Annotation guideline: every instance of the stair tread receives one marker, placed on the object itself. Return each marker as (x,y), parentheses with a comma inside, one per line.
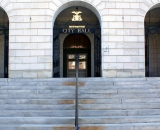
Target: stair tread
(73,117)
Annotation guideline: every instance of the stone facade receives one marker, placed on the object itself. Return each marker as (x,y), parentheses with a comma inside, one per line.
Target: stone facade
(31,33)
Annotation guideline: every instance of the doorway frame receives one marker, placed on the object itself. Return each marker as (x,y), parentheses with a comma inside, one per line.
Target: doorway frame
(150,29)
(62,37)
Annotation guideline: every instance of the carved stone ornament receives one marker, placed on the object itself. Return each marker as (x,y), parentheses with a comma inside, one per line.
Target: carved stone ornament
(76,17)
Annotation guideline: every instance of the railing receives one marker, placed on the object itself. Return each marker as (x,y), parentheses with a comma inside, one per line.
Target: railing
(76,99)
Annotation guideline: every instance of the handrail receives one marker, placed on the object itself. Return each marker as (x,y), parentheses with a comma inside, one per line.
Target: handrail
(76,99)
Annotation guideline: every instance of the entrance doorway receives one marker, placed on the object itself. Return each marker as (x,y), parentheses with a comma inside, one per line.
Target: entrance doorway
(82,65)
(80,46)
(152,42)
(76,35)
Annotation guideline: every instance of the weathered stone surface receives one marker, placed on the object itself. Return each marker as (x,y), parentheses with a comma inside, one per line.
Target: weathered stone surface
(123,74)
(109,73)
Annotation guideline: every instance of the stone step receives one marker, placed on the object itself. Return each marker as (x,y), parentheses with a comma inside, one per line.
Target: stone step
(134,112)
(133,126)
(38,96)
(137,83)
(32,83)
(119,101)
(37,113)
(81,84)
(71,82)
(128,106)
(119,96)
(81,96)
(86,87)
(140,100)
(80,79)
(118,91)
(119,119)
(82,113)
(37,107)
(36,91)
(82,120)
(71,85)
(73,79)
(82,91)
(37,120)
(37,101)
(81,101)
(45,87)
(130,86)
(38,127)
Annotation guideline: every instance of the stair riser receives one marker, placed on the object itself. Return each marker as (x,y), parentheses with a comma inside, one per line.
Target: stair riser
(38,102)
(85,91)
(72,87)
(81,107)
(36,121)
(37,96)
(37,107)
(81,96)
(81,83)
(92,120)
(118,106)
(60,101)
(71,113)
(121,120)
(72,101)
(117,127)
(63,113)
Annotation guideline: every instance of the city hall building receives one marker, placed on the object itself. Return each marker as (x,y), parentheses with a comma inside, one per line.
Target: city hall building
(110,38)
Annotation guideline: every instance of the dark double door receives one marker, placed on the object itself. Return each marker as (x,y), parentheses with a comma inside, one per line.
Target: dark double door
(84,62)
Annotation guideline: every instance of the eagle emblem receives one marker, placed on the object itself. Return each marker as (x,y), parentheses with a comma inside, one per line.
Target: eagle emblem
(76,17)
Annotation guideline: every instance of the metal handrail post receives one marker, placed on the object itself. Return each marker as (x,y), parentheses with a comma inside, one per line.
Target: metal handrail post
(76,100)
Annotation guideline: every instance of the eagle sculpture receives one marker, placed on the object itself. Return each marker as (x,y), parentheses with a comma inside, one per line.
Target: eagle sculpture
(76,17)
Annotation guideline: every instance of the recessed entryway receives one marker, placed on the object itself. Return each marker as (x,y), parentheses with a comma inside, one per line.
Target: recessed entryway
(77,45)
(76,31)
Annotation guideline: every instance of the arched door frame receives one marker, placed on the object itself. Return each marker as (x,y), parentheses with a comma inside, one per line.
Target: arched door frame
(97,46)
(63,37)
(78,3)
(150,29)
(96,11)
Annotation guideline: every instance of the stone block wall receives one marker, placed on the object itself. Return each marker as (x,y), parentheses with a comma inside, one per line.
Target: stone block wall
(31,24)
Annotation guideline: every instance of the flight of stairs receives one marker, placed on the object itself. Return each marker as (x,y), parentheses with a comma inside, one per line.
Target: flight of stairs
(104,104)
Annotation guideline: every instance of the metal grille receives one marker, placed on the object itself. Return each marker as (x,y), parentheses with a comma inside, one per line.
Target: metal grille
(97,53)
(56,53)
(5,32)
(150,31)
